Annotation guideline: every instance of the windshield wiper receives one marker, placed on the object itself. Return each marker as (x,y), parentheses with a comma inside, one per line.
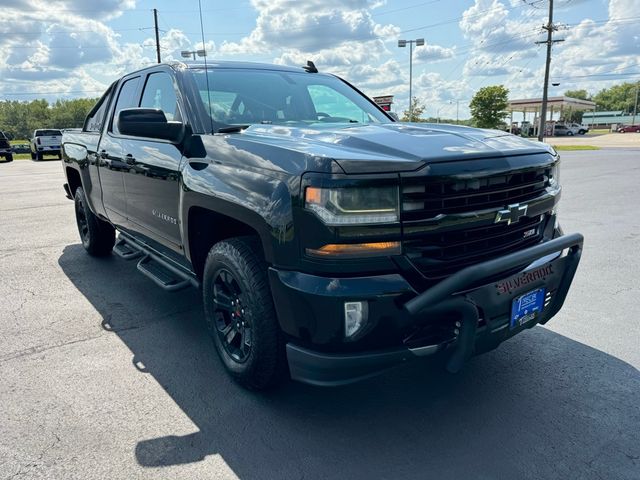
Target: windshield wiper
(232,129)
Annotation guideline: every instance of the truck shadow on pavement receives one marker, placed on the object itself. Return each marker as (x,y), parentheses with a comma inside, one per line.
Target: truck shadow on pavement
(541,406)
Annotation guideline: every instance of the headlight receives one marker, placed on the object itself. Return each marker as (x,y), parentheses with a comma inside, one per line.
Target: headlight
(354,206)
(554,175)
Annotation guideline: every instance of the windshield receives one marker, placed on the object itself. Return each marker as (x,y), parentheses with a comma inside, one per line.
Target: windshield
(47,133)
(246,97)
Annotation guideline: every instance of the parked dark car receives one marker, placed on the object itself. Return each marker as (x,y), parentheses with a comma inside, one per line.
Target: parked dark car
(629,129)
(329,242)
(20,148)
(5,148)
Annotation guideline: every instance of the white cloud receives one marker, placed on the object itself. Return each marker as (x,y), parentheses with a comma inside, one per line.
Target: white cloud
(432,53)
(312,26)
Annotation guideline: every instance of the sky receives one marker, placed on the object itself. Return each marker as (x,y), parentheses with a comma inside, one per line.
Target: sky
(75,48)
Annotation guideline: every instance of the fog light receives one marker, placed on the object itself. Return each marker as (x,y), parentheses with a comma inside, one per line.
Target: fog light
(355,317)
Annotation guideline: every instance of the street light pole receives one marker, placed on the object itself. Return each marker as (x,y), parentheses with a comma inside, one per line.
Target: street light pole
(403,43)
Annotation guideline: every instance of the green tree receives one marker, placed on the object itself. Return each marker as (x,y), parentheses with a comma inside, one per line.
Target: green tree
(489,106)
(580,94)
(20,119)
(71,113)
(618,97)
(415,113)
(571,115)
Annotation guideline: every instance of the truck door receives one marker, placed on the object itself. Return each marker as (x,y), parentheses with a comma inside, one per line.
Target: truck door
(112,160)
(152,181)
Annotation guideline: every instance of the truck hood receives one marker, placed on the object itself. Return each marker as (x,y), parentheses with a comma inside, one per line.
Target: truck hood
(393,147)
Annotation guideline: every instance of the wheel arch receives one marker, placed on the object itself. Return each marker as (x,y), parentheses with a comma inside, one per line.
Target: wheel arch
(206,224)
(73,179)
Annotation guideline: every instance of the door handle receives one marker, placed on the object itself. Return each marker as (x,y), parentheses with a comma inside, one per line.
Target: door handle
(129,160)
(103,154)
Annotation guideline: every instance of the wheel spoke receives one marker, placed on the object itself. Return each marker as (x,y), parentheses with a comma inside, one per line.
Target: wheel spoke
(244,349)
(221,299)
(229,337)
(225,331)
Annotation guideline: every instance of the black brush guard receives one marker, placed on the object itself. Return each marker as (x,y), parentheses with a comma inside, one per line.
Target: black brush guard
(459,293)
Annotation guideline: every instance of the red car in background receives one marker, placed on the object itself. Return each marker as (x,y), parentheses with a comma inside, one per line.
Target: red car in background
(629,128)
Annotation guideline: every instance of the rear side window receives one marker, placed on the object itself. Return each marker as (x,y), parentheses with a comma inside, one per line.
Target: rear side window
(159,93)
(127,98)
(95,119)
(48,133)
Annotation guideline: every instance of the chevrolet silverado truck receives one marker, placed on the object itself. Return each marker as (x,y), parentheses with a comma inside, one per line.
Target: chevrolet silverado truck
(329,241)
(45,142)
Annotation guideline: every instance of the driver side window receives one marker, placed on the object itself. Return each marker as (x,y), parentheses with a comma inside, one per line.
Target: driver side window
(330,103)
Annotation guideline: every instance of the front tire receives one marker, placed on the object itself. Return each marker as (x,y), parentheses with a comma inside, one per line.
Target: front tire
(33,156)
(98,237)
(240,315)
(9,158)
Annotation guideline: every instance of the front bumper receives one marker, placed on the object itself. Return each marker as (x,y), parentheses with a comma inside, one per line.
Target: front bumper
(470,311)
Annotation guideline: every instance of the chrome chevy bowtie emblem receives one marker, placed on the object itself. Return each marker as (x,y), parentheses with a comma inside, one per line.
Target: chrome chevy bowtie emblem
(511,214)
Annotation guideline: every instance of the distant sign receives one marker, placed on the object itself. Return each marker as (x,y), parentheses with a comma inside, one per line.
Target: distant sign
(384,100)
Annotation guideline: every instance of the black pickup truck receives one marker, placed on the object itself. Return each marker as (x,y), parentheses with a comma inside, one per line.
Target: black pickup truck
(5,148)
(329,241)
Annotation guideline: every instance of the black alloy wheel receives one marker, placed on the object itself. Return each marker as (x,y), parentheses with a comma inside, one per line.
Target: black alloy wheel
(240,315)
(98,237)
(233,326)
(83,222)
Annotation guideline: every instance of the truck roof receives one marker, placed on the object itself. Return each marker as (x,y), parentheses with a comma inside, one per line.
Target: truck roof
(224,64)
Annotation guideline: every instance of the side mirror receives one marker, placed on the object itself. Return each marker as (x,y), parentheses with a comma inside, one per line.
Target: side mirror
(149,123)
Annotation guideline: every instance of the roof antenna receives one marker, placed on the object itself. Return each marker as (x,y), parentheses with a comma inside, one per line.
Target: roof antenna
(206,70)
(310,67)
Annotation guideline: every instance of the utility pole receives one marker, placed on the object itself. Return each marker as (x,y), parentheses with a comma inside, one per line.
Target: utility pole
(155,21)
(550,28)
(635,105)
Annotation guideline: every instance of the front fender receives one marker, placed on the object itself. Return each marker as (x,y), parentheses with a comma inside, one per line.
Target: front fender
(260,199)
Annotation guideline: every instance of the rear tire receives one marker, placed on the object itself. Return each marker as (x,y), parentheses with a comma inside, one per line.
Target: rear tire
(9,158)
(33,156)
(240,315)
(39,156)
(98,237)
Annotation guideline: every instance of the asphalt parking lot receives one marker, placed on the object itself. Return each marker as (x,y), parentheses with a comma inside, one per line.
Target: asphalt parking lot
(103,375)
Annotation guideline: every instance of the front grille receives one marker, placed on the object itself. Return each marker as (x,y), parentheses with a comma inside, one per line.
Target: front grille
(438,254)
(424,198)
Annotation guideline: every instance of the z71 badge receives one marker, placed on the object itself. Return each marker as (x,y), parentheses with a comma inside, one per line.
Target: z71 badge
(525,278)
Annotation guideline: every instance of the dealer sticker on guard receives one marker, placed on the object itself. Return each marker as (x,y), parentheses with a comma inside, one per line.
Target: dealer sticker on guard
(526,307)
